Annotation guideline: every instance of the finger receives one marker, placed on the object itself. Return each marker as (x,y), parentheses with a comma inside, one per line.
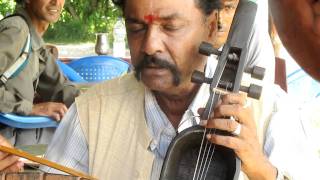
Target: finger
(8,161)
(61,112)
(65,109)
(231,142)
(223,124)
(55,116)
(4,142)
(241,114)
(16,167)
(235,98)
(228,110)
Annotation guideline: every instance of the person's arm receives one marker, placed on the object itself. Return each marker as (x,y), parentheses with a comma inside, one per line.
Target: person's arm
(299,31)
(56,92)
(9,163)
(13,35)
(68,146)
(53,86)
(288,144)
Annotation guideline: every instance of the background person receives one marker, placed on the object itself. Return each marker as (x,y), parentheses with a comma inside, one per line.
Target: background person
(41,74)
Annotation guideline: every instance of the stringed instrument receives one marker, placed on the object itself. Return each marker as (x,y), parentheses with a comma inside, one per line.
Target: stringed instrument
(190,155)
(39,175)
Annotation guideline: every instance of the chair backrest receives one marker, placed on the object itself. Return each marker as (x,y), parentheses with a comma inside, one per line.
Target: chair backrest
(70,73)
(99,68)
(27,122)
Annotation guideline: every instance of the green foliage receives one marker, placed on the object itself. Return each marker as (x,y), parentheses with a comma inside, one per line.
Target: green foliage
(79,22)
(82,19)
(68,32)
(7,7)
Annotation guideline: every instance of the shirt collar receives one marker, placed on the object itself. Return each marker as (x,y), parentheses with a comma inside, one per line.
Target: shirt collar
(36,41)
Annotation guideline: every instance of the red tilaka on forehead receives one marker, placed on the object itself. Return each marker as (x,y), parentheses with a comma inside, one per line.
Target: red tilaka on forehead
(151,18)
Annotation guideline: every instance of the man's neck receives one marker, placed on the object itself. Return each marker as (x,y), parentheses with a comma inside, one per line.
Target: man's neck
(40,27)
(174,106)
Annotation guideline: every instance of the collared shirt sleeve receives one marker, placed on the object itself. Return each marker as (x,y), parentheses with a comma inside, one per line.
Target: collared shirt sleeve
(13,35)
(53,86)
(287,144)
(68,146)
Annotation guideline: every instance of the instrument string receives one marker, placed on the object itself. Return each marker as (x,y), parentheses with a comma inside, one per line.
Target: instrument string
(214,145)
(201,155)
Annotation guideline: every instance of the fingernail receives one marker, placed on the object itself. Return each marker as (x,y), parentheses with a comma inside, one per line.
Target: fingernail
(203,123)
(209,136)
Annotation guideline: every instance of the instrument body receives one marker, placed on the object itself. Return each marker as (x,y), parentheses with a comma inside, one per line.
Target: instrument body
(184,150)
(182,157)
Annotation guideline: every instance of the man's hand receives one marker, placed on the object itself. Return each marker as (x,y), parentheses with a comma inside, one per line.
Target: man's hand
(51,109)
(9,163)
(245,142)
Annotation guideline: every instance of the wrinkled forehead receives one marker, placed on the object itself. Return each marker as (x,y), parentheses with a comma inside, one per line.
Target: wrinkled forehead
(153,9)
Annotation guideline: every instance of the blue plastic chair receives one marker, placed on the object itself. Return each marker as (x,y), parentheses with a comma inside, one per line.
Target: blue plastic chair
(99,68)
(32,122)
(70,73)
(27,122)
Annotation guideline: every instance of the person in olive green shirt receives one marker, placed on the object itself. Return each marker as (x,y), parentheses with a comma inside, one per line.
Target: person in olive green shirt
(40,76)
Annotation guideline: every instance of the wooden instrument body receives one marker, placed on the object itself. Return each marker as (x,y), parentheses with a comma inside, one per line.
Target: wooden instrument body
(181,163)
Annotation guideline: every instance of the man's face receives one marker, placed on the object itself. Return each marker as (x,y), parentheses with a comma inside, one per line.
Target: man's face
(225,17)
(163,38)
(45,10)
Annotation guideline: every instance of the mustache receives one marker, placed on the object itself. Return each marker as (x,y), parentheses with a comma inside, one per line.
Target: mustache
(161,63)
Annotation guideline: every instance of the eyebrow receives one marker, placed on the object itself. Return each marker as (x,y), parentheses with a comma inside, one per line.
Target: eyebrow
(133,20)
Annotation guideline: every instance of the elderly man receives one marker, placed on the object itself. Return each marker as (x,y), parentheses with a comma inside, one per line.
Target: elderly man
(121,129)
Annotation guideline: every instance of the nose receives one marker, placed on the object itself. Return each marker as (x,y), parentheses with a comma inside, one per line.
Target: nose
(153,42)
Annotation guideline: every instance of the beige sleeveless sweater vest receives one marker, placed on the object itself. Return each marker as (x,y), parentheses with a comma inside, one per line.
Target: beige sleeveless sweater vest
(112,116)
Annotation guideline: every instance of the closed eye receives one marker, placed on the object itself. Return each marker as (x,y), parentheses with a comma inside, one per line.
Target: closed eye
(135,28)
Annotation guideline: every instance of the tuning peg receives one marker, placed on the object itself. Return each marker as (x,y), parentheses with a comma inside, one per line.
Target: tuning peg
(258,72)
(253,91)
(199,78)
(207,49)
